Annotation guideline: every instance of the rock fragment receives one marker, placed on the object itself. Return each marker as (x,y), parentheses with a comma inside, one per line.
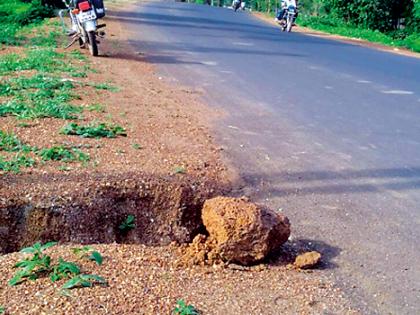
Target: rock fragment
(243,232)
(307,260)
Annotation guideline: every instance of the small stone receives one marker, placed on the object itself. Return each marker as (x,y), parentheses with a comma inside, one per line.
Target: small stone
(307,260)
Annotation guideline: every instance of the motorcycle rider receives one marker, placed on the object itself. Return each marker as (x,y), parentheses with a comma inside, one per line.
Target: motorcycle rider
(284,5)
(234,2)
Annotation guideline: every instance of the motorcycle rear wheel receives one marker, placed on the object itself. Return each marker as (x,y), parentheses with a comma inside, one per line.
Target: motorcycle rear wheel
(289,25)
(93,45)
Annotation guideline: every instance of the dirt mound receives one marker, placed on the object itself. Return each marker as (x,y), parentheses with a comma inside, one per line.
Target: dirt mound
(239,232)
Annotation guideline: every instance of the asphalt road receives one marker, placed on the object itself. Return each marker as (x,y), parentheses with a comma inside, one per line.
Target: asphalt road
(327,131)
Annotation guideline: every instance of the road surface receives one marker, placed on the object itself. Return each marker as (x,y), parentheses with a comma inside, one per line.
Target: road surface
(329,132)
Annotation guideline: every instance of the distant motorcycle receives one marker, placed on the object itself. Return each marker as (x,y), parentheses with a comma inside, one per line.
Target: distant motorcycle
(236,4)
(84,15)
(288,19)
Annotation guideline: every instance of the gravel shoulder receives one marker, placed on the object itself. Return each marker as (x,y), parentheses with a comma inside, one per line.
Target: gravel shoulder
(145,280)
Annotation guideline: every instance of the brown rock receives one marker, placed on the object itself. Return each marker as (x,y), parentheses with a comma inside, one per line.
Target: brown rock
(307,260)
(243,232)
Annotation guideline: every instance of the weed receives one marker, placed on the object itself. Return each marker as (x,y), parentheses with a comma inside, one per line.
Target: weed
(105,86)
(15,163)
(83,281)
(64,270)
(182,308)
(179,170)
(94,131)
(99,108)
(61,153)
(32,268)
(128,224)
(137,146)
(86,252)
(41,264)
(10,143)
(2,309)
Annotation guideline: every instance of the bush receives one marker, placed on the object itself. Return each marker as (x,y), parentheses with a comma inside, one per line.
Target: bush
(34,14)
(413,42)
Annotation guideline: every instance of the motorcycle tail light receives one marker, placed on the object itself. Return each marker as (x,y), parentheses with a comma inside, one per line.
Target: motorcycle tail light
(84,6)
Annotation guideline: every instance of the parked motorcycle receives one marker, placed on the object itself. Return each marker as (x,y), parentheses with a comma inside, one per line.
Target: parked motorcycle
(84,15)
(288,19)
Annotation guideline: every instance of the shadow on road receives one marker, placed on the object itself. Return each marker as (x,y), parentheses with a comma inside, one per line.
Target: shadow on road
(286,255)
(336,182)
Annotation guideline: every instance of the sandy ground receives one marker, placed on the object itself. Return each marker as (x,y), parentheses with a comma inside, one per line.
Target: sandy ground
(145,280)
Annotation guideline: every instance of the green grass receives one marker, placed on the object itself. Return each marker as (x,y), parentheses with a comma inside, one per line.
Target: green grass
(17,16)
(15,163)
(334,26)
(100,130)
(42,59)
(9,142)
(99,108)
(38,96)
(105,86)
(61,153)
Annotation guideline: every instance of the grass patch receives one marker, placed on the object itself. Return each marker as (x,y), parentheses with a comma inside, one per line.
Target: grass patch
(9,142)
(61,153)
(335,26)
(105,86)
(101,130)
(15,163)
(99,108)
(39,59)
(38,96)
(15,14)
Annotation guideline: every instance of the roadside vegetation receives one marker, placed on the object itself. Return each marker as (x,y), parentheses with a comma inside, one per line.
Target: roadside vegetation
(40,80)
(40,265)
(391,22)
